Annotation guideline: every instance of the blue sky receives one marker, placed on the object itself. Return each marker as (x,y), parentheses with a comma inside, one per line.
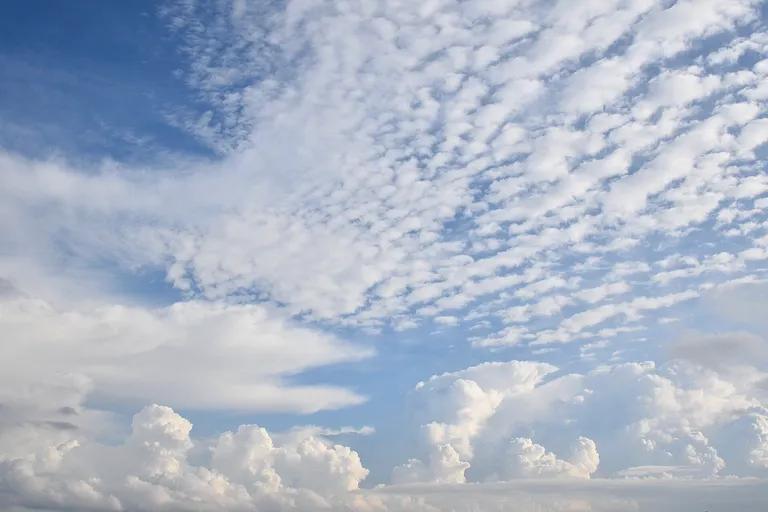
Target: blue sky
(357,243)
(92,80)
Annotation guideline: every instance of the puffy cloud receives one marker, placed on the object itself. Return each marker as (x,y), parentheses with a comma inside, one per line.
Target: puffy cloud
(151,470)
(490,422)
(455,407)
(526,459)
(628,419)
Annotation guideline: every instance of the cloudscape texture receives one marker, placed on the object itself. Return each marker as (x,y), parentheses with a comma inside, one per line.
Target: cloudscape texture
(384,256)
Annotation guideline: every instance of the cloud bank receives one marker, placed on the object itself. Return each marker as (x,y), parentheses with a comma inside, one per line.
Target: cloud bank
(643,435)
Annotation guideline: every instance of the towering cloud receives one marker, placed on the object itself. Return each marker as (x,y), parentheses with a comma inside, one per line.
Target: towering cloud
(152,470)
(525,420)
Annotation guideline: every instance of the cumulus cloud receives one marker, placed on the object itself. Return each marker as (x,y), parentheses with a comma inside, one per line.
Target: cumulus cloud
(156,468)
(526,459)
(152,470)
(497,421)
(518,420)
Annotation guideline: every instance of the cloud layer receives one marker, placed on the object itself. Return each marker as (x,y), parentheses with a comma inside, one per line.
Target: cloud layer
(537,173)
(190,354)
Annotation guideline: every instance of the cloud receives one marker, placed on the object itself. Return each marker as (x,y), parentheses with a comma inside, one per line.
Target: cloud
(444,187)
(489,423)
(151,470)
(596,495)
(190,354)
(497,421)
(723,352)
(526,459)
(159,466)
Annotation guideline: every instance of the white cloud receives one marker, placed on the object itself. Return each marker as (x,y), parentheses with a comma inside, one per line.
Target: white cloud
(159,466)
(468,182)
(152,470)
(189,354)
(633,421)
(526,459)
(598,293)
(682,419)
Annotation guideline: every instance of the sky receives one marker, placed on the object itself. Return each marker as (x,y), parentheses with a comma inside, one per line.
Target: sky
(384,256)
